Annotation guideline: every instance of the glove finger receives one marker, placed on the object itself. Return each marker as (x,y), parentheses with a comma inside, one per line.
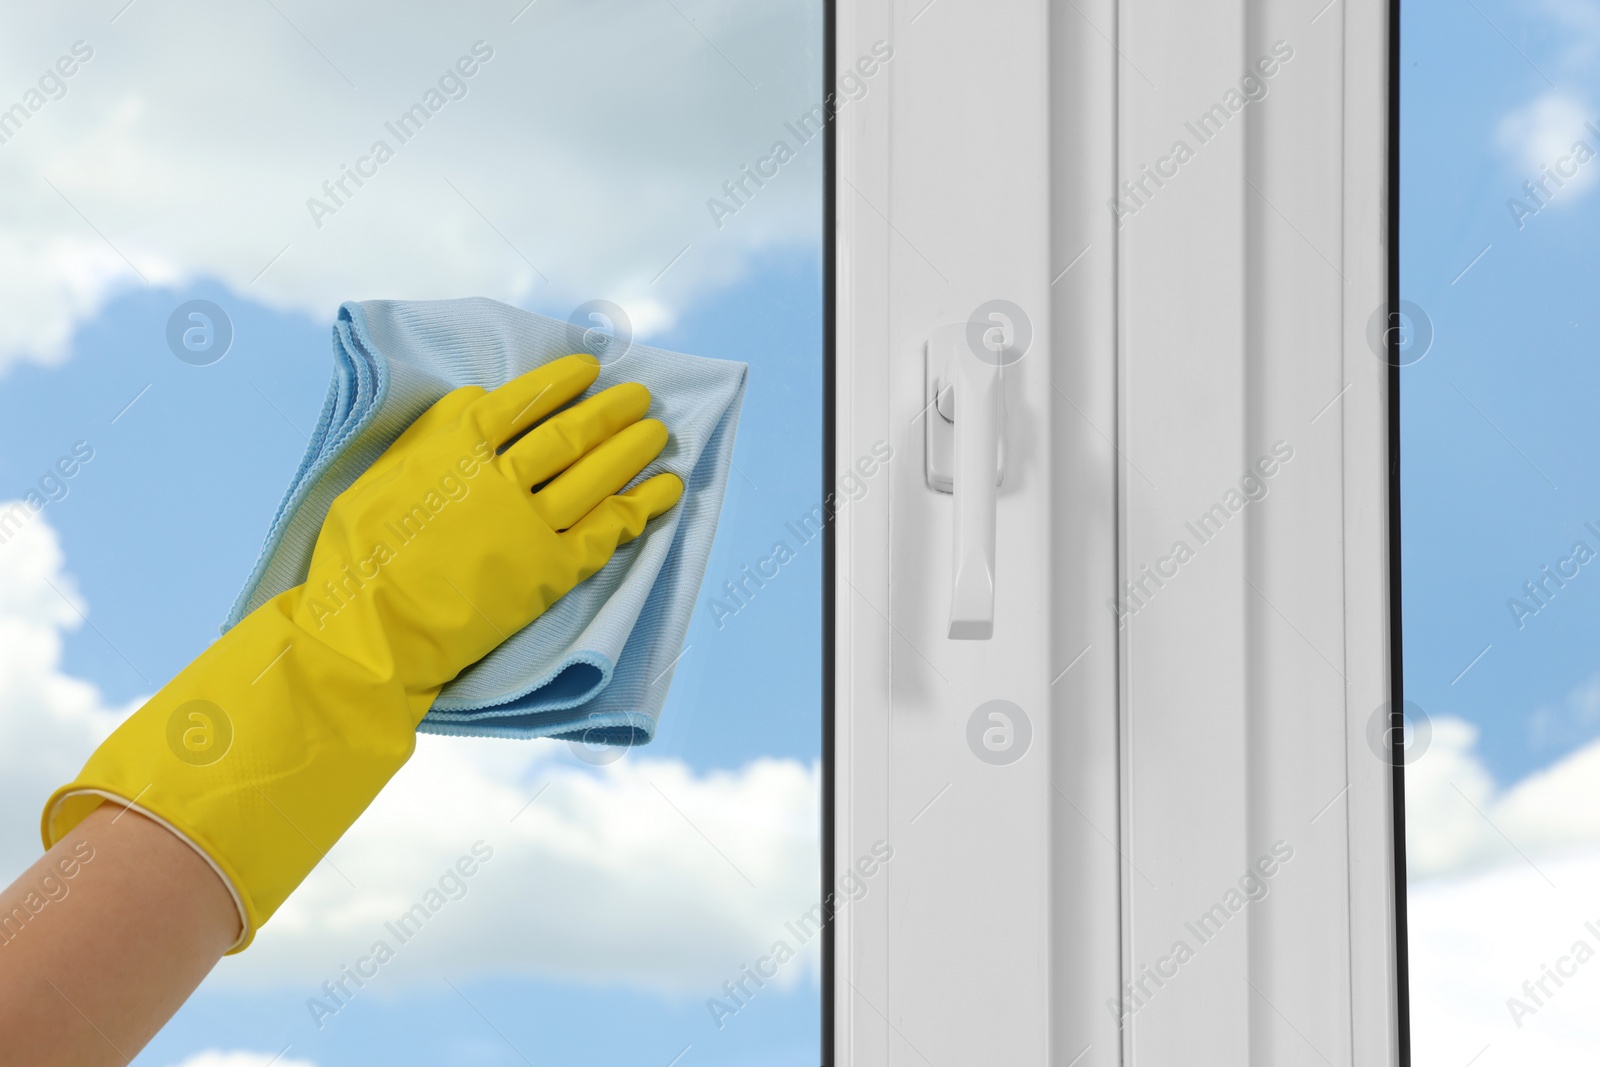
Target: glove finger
(558,443)
(616,520)
(606,469)
(505,412)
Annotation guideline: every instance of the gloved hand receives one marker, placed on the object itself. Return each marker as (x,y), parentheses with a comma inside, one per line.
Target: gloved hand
(265,749)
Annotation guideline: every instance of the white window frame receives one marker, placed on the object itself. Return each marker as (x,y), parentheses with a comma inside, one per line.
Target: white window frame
(1173,748)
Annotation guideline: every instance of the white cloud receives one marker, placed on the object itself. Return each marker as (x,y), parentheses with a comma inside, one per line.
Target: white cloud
(218,1058)
(1575,720)
(1502,882)
(1485,915)
(49,720)
(584,151)
(1542,135)
(642,872)
(1459,820)
(1474,942)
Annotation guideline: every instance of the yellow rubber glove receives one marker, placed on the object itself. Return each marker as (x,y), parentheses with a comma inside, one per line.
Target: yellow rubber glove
(265,749)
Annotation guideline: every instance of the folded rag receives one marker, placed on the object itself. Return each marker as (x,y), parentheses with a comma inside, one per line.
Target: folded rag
(596,666)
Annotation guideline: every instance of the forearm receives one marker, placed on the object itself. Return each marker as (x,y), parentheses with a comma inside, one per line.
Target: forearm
(102,940)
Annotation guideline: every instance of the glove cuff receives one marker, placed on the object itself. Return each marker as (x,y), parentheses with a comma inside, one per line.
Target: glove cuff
(71,804)
(259,754)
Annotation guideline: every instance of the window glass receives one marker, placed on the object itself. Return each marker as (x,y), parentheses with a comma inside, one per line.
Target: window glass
(1500,191)
(274,160)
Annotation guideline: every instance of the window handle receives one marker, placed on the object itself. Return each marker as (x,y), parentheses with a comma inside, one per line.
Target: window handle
(964,458)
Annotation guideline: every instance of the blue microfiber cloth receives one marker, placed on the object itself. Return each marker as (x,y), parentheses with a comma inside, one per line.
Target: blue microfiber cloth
(596,666)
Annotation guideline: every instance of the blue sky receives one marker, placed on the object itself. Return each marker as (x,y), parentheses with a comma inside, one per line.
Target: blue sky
(577,165)
(1498,482)
(162,525)
(1498,418)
